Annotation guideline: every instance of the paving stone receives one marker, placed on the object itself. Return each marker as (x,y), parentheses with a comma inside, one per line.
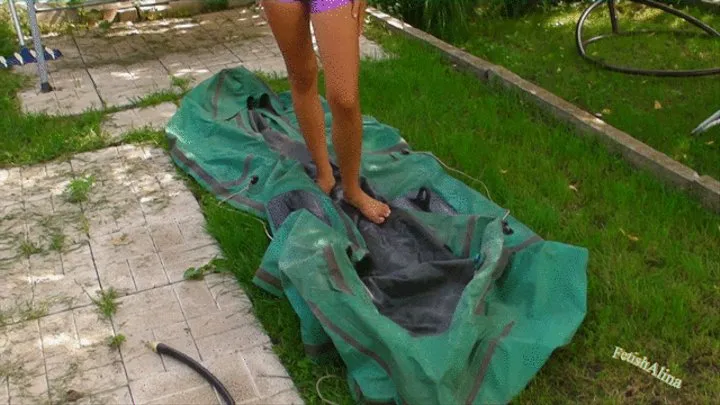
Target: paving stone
(166,236)
(269,375)
(157,307)
(193,232)
(218,322)
(45,266)
(289,397)
(227,293)
(232,341)
(99,379)
(182,206)
(176,261)
(147,271)
(101,223)
(120,85)
(160,385)
(73,92)
(20,345)
(195,299)
(123,243)
(203,395)
(119,396)
(235,375)
(65,293)
(27,390)
(4,394)
(145,229)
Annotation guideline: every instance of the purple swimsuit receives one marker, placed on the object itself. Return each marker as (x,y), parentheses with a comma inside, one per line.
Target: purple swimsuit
(319,6)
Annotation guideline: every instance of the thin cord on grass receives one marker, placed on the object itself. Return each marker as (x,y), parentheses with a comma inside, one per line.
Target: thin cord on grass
(487,190)
(234,194)
(267,233)
(317,388)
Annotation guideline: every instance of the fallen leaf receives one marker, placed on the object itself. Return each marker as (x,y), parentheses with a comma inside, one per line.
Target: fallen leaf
(606,111)
(573,188)
(658,106)
(709,142)
(73,396)
(120,240)
(503,171)
(629,236)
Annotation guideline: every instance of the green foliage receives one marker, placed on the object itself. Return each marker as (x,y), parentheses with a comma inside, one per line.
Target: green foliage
(450,19)
(215,5)
(8,43)
(78,189)
(116,341)
(214,266)
(107,302)
(447,19)
(516,8)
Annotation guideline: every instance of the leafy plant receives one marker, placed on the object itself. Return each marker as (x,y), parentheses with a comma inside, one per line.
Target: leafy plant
(215,5)
(214,266)
(447,19)
(106,302)
(28,248)
(116,341)
(57,241)
(78,189)
(8,44)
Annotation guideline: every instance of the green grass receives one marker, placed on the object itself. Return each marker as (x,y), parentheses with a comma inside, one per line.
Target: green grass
(116,341)
(661,112)
(37,138)
(106,302)
(28,248)
(654,262)
(57,241)
(79,189)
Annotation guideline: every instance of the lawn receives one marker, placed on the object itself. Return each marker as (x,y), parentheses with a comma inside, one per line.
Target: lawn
(661,112)
(654,263)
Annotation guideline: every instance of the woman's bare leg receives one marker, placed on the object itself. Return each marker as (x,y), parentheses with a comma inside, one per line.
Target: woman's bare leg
(337,33)
(290,24)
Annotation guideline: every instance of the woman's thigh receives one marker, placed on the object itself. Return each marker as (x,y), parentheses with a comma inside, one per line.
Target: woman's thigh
(289,21)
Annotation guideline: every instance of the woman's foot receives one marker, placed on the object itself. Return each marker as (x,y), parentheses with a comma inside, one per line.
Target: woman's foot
(371,208)
(326,183)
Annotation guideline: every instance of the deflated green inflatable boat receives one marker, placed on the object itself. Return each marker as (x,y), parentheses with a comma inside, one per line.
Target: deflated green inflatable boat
(451,301)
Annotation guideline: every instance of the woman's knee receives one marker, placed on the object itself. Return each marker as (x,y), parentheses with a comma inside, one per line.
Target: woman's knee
(343,100)
(304,77)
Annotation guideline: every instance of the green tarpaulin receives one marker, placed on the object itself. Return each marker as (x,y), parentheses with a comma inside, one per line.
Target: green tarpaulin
(451,301)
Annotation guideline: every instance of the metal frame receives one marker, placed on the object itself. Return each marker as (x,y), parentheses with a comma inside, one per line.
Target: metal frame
(37,41)
(616,31)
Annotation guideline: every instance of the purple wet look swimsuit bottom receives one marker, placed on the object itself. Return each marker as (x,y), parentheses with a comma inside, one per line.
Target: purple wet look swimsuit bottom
(320,6)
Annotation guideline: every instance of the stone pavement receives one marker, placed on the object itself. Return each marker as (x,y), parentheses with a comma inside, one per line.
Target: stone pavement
(118,124)
(120,220)
(130,61)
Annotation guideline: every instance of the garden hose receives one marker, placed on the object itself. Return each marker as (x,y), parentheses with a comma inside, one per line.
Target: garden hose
(615,31)
(162,348)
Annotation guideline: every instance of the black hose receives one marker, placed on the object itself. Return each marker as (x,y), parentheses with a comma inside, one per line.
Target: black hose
(647,72)
(162,348)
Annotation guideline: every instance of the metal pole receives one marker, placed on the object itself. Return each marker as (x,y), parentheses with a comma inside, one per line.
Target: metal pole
(613,16)
(39,49)
(16,23)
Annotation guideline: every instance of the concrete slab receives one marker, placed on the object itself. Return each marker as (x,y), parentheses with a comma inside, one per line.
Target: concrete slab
(56,343)
(119,124)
